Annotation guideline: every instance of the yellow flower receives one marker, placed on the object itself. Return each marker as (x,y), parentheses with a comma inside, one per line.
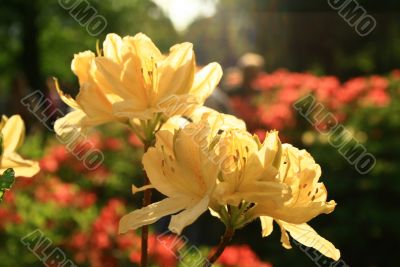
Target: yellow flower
(180,168)
(218,122)
(12,133)
(271,181)
(149,82)
(249,169)
(133,80)
(299,171)
(93,104)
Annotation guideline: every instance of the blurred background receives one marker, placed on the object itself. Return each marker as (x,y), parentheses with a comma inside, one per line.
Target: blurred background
(274,52)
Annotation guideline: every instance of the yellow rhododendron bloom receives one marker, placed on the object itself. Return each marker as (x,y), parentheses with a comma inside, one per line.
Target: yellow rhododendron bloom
(299,171)
(12,131)
(180,168)
(249,169)
(273,182)
(133,80)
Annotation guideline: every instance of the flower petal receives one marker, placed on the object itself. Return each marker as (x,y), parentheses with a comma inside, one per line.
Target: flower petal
(151,213)
(127,109)
(307,236)
(69,124)
(206,80)
(284,237)
(145,54)
(22,167)
(94,102)
(270,153)
(13,133)
(266,225)
(81,64)
(67,99)
(177,105)
(141,46)
(269,194)
(176,72)
(153,164)
(112,47)
(188,216)
(116,85)
(296,215)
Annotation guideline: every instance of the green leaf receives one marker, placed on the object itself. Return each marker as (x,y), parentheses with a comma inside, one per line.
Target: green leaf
(6,181)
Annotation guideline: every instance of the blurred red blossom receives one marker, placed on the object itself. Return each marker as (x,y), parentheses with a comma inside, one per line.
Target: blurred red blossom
(272,108)
(241,256)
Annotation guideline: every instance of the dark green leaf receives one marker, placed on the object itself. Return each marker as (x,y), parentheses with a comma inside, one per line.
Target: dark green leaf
(6,181)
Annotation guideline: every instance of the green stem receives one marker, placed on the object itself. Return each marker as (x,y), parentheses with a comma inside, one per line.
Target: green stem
(225,239)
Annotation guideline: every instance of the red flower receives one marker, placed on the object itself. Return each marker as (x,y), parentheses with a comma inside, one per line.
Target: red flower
(49,164)
(113,144)
(241,256)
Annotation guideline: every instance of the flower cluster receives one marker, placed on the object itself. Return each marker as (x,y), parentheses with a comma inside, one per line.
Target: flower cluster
(130,81)
(278,91)
(212,162)
(198,158)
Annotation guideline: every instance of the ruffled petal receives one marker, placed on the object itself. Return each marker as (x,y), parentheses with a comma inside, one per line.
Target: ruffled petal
(22,167)
(284,237)
(81,64)
(112,47)
(296,215)
(154,161)
(307,236)
(117,85)
(94,102)
(267,225)
(176,72)
(172,105)
(188,216)
(141,46)
(70,124)
(151,213)
(13,133)
(128,109)
(206,80)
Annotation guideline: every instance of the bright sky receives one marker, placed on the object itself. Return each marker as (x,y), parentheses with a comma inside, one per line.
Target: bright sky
(184,12)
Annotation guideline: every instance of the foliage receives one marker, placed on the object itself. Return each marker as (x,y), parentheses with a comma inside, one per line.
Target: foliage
(6,181)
